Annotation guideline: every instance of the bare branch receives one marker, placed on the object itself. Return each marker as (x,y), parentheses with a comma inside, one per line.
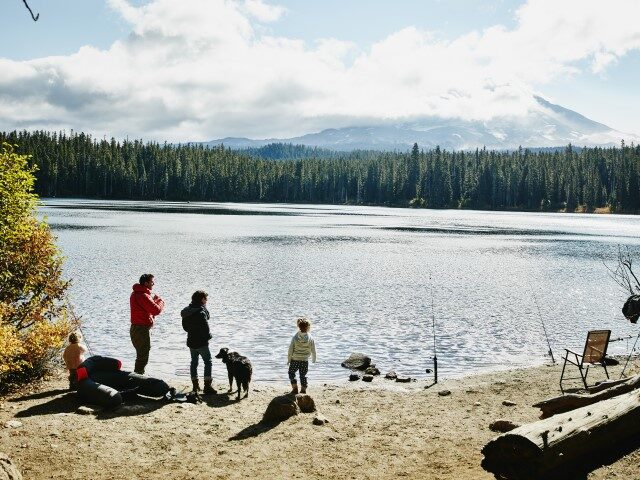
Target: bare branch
(623,273)
(35,19)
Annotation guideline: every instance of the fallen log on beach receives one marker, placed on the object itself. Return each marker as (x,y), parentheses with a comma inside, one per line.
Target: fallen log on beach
(564,442)
(566,403)
(607,384)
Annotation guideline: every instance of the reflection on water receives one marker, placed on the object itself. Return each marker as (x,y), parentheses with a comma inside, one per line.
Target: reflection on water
(364,276)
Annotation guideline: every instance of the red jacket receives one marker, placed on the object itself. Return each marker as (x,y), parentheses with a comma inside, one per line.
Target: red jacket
(144,306)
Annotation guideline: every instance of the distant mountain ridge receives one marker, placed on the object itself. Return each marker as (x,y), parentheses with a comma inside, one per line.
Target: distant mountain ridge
(548,125)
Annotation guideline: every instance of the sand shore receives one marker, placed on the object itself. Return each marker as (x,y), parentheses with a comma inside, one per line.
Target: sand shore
(378,430)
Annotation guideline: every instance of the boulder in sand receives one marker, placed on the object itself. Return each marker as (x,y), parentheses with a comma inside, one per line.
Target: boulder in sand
(391,375)
(372,371)
(281,408)
(305,403)
(367,378)
(8,470)
(357,361)
(354,377)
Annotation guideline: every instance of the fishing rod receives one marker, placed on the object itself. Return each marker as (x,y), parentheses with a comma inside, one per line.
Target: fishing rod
(630,353)
(433,327)
(86,342)
(544,328)
(621,338)
(77,321)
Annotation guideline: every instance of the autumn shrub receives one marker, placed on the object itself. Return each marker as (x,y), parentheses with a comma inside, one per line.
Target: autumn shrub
(34,317)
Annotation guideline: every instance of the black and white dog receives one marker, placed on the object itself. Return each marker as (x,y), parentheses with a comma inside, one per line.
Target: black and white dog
(238,367)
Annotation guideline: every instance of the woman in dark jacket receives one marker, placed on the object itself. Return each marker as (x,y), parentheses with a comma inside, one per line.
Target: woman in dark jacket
(195,321)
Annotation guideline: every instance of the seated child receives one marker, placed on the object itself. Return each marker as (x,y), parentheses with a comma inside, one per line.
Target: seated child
(301,348)
(73,356)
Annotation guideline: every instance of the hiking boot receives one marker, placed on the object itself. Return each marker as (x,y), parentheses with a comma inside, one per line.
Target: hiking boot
(208,389)
(303,389)
(196,384)
(294,389)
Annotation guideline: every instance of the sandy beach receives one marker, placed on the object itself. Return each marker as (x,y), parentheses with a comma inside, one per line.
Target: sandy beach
(378,430)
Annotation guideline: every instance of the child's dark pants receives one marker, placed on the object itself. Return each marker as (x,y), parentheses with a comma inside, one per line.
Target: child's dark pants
(296,365)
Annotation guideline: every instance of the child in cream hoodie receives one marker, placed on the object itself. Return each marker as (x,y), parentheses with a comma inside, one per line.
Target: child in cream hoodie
(301,348)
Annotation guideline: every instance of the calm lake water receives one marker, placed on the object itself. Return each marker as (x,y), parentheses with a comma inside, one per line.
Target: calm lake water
(371,279)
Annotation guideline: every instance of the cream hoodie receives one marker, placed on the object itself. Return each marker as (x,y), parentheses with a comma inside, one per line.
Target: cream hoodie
(302,347)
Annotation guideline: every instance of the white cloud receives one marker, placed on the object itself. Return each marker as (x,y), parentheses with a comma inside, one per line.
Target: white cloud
(199,69)
(263,12)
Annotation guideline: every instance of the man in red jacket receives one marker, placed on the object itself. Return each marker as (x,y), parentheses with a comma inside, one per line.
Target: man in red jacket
(144,307)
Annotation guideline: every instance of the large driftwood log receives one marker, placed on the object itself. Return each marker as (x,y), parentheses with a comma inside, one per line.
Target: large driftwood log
(572,401)
(565,441)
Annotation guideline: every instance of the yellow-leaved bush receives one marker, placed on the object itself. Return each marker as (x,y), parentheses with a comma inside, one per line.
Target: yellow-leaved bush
(34,316)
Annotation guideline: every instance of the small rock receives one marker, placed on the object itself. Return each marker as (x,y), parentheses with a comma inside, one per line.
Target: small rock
(391,375)
(477,404)
(367,378)
(428,370)
(502,426)
(444,393)
(319,420)
(354,377)
(509,403)
(332,439)
(82,410)
(54,433)
(372,371)
(13,424)
(337,401)
(403,379)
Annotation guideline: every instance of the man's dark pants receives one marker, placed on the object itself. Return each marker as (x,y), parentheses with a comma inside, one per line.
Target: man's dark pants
(142,343)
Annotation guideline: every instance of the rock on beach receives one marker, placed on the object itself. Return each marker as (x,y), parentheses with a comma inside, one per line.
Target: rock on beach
(357,361)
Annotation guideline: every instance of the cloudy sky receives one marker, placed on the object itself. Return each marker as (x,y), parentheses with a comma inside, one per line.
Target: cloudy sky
(190,70)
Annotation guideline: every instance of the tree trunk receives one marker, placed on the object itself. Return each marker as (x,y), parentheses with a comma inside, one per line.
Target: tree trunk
(565,442)
(569,402)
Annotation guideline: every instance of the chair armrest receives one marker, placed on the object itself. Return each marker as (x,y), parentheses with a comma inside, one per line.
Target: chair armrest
(571,351)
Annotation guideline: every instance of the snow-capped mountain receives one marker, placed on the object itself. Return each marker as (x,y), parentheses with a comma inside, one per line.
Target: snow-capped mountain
(547,125)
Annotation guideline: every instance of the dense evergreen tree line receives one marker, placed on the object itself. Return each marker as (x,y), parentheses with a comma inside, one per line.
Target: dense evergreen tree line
(76,164)
(288,151)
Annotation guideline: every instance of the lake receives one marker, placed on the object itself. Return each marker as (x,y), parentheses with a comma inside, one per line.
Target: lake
(371,280)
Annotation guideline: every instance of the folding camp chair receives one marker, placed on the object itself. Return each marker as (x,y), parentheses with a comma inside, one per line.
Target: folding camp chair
(595,350)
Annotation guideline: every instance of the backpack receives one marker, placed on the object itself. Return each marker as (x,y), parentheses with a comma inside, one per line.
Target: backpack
(631,308)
